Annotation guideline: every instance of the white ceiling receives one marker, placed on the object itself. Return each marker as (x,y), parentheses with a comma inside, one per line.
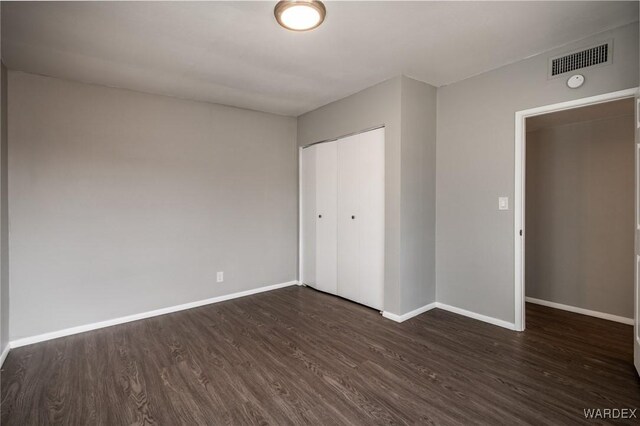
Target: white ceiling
(234,53)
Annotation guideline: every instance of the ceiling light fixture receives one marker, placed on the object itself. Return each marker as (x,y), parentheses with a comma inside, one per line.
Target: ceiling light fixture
(300,15)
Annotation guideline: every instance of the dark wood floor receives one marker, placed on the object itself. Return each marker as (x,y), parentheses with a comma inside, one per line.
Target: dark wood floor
(296,356)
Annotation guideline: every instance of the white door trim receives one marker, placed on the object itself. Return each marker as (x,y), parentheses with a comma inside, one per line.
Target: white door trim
(300,232)
(519,199)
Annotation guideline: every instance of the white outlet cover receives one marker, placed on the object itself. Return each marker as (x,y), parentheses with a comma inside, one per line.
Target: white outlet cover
(220,277)
(503,203)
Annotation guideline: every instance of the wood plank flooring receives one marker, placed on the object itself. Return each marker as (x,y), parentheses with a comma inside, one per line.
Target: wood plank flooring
(297,356)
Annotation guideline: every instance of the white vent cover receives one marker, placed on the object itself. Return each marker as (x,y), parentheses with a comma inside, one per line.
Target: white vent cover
(600,54)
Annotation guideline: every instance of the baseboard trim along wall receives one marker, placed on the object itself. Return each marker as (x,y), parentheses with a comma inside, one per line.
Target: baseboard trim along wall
(445,307)
(135,317)
(582,311)
(480,317)
(4,354)
(389,315)
(408,315)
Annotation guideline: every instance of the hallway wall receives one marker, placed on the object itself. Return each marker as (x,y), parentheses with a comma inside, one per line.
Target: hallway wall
(579,214)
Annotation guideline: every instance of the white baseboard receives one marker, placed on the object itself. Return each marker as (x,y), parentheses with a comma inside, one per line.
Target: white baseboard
(108,323)
(459,311)
(4,354)
(404,317)
(582,311)
(480,317)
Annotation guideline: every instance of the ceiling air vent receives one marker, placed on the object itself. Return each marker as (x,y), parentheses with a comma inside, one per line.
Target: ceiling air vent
(592,56)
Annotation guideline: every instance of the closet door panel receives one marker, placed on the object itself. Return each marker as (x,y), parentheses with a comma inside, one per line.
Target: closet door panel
(326,216)
(348,217)
(370,222)
(308,205)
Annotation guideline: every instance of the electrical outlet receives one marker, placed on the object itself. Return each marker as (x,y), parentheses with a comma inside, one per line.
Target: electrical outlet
(220,277)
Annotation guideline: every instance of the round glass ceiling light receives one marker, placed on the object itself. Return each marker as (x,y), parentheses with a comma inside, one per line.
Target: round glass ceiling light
(300,15)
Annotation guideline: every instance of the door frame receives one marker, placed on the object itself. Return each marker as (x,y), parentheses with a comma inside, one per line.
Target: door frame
(520,190)
(300,217)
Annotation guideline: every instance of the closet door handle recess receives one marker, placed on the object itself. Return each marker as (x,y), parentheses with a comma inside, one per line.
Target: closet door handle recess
(319,216)
(353,217)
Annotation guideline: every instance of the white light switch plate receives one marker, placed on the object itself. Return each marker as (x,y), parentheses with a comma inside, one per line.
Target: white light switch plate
(503,203)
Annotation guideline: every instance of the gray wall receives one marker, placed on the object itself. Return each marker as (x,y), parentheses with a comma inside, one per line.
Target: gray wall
(579,213)
(409,191)
(475,165)
(418,207)
(123,202)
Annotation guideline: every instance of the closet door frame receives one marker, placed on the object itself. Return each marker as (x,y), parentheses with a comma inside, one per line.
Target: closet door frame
(301,212)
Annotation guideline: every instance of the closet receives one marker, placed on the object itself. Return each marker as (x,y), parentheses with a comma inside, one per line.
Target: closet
(342,217)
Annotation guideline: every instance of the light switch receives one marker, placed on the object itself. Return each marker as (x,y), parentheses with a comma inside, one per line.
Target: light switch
(503,203)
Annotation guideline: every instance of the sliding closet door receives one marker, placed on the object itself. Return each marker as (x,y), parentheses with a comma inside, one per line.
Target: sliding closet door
(326,211)
(308,216)
(371,219)
(342,199)
(349,216)
(361,218)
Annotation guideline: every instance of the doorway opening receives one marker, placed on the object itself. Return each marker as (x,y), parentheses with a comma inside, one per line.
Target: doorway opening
(574,208)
